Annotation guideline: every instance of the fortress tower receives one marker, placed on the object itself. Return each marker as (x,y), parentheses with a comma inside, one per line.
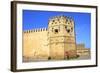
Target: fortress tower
(61,37)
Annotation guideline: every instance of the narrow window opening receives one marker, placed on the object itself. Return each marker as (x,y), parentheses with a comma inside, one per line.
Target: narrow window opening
(56,30)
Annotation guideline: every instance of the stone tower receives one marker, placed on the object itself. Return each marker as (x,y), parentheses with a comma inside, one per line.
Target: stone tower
(61,37)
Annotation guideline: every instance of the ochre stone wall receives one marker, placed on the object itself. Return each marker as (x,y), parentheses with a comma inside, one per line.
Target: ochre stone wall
(82,51)
(35,44)
(57,51)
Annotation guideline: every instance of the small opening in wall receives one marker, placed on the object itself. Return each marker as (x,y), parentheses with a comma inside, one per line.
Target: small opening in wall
(56,30)
(53,20)
(65,27)
(71,29)
(49,58)
(68,23)
(68,30)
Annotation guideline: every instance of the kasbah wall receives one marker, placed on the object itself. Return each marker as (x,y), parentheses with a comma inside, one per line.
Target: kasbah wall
(56,42)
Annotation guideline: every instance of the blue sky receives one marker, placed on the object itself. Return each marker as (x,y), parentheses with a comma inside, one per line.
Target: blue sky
(33,19)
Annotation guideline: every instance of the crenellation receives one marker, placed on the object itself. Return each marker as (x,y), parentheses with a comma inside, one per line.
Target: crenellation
(35,30)
(63,20)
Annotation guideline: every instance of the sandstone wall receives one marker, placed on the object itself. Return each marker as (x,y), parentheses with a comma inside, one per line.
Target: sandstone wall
(35,44)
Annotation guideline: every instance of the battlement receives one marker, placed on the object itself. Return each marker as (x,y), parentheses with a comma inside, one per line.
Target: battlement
(61,17)
(35,30)
(60,20)
(56,17)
